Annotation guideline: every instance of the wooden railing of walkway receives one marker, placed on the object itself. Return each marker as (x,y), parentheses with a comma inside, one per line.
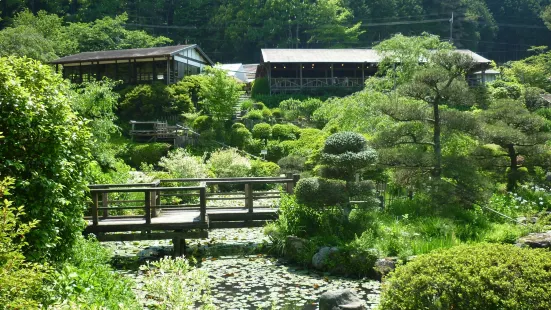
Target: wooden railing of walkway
(172,209)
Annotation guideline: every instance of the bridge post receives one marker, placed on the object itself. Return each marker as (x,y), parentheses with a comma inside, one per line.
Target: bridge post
(203,204)
(249,197)
(95,209)
(147,207)
(105,204)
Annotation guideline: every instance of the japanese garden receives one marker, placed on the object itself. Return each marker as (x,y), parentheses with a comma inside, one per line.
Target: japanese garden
(325,154)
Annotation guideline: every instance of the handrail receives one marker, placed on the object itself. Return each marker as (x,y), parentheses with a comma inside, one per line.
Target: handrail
(144,189)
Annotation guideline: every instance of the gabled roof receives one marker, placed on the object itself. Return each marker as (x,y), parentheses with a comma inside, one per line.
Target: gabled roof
(335,56)
(129,54)
(251,70)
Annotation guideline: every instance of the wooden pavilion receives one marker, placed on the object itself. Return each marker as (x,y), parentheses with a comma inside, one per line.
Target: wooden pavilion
(295,70)
(167,64)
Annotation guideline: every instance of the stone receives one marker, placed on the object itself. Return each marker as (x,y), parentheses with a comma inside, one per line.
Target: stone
(294,247)
(340,299)
(536,240)
(384,266)
(321,258)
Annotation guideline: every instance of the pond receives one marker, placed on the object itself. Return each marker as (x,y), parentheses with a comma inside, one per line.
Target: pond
(242,274)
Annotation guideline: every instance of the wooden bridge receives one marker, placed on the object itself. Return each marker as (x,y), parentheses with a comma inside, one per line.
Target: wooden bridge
(180,209)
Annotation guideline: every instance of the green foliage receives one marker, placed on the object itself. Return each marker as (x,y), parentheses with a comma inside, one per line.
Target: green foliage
(240,137)
(181,164)
(292,164)
(276,151)
(482,276)
(87,280)
(149,153)
(46,150)
(255,115)
(317,192)
(220,94)
(176,284)
(202,123)
(262,131)
(21,281)
(228,163)
(153,101)
(261,168)
(284,132)
(261,86)
(346,153)
(96,103)
(295,109)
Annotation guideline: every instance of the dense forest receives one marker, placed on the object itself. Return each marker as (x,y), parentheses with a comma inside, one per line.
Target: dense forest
(235,30)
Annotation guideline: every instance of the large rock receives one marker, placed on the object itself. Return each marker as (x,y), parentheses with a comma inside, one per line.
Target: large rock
(321,258)
(340,299)
(294,247)
(536,240)
(384,266)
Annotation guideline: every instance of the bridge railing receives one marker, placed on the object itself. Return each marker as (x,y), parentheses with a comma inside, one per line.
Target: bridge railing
(246,188)
(150,205)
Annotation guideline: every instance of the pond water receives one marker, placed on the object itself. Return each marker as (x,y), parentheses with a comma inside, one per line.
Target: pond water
(242,274)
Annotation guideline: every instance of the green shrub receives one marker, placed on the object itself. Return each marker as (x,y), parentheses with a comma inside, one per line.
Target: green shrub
(262,131)
(175,284)
(46,150)
(292,164)
(345,154)
(240,137)
(203,123)
(261,168)
(276,113)
(238,125)
(317,192)
(21,281)
(343,142)
(254,115)
(154,101)
(149,153)
(284,132)
(247,105)
(276,151)
(229,163)
(255,146)
(87,280)
(261,86)
(266,113)
(258,106)
(181,164)
(482,276)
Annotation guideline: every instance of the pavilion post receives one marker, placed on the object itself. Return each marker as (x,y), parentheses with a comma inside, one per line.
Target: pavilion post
(80,72)
(300,66)
(270,76)
(484,77)
(363,73)
(168,71)
(116,71)
(332,74)
(154,70)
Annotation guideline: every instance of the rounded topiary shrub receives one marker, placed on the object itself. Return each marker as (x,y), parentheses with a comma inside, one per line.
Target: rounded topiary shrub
(202,123)
(240,137)
(262,131)
(343,142)
(318,192)
(284,132)
(149,153)
(482,276)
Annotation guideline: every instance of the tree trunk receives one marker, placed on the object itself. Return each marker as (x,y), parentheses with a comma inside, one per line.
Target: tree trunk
(512,176)
(437,144)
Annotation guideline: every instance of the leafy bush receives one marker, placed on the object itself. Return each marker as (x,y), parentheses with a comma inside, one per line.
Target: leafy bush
(317,192)
(238,125)
(346,153)
(153,101)
(482,276)
(292,164)
(284,132)
(262,131)
(88,279)
(181,164)
(247,105)
(176,284)
(228,163)
(22,281)
(261,168)
(254,115)
(258,106)
(276,151)
(149,153)
(45,149)
(261,86)
(240,137)
(203,123)
(276,113)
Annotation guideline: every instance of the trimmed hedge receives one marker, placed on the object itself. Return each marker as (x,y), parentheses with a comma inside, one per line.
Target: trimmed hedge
(284,132)
(262,131)
(481,276)
(318,192)
(149,153)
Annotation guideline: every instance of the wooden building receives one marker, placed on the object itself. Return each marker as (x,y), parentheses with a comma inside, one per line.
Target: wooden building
(167,64)
(295,70)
